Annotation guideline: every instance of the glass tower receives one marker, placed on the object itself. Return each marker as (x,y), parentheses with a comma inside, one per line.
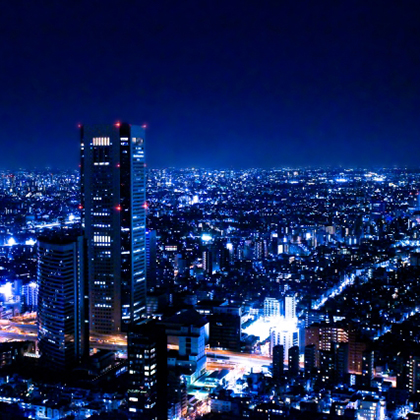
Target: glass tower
(113,209)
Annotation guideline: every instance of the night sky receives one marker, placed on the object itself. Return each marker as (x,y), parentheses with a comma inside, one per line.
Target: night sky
(232,84)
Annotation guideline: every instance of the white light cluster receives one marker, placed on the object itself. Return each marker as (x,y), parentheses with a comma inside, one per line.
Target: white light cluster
(101,141)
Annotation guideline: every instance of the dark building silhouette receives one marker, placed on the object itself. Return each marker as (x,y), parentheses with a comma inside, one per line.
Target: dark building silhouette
(157,301)
(278,361)
(342,361)
(310,359)
(61,310)
(114,218)
(225,327)
(147,371)
(177,395)
(12,352)
(356,349)
(327,366)
(368,368)
(294,361)
(224,256)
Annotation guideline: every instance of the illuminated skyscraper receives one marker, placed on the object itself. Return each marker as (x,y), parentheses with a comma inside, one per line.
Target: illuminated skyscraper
(114,219)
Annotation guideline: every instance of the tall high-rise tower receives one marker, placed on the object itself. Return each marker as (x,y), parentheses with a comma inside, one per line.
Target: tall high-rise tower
(114,219)
(61,308)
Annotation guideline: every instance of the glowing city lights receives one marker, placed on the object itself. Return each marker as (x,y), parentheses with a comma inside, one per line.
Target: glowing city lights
(11,242)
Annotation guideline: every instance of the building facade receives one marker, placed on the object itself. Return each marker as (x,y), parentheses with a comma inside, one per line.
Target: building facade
(151,259)
(114,219)
(271,307)
(147,371)
(290,307)
(286,337)
(225,327)
(61,308)
(187,332)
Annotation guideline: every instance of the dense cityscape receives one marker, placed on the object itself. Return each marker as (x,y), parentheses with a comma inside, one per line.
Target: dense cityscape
(282,293)
(209,210)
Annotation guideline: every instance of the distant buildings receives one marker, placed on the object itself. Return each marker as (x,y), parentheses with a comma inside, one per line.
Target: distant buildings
(271,307)
(277,244)
(286,332)
(290,307)
(285,336)
(337,352)
(30,295)
(323,337)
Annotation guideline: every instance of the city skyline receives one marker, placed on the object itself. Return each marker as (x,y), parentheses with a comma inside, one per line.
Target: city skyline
(262,263)
(287,84)
(264,281)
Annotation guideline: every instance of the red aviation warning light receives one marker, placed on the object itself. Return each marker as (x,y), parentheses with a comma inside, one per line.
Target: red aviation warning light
(118,207)
(145,206)
(80,207)
(117,124)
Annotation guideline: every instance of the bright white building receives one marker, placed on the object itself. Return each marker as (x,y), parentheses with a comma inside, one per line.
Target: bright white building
(285,334)
(290,307)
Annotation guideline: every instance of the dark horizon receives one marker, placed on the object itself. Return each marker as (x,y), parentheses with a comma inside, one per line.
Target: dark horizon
(221,85)
(326,167)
